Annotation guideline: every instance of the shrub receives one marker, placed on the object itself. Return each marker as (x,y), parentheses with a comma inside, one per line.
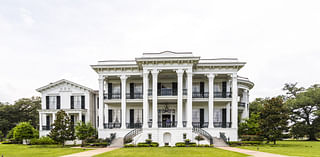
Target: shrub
(42,141)
(23,130)
(100,144)
(129,145)
(180,144)
(251,138)
(8,142)
(154,144)
(211,145)
(192,144)
(143,145)
(128,140)
(148,141)
(187,141)
(244,143)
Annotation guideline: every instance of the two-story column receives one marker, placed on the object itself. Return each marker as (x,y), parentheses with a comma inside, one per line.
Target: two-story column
(123,101)
(179,103)
(210,103)
(189,98)
(101,104)
(40,121)
(145,98)
(246,100)
(155,73)
(234,103)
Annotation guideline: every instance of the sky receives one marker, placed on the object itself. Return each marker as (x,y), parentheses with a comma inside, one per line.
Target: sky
(45,41)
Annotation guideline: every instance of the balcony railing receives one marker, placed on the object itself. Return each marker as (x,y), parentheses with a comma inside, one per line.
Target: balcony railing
(185,92)
(200,94)
(112,96)
(222,124)
(134,95)
(167,124)
(167,92)
(46,127)
(133,125)
(222,94)
(242,104)
(111,125)
(200,124)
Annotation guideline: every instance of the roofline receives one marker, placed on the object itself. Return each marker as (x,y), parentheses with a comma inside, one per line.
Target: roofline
(60,81)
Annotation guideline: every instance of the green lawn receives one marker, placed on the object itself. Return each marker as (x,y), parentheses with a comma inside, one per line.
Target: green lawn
(170,152)
(15,150)
(291,148)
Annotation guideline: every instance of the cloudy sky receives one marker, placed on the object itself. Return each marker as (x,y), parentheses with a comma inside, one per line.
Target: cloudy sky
(44,41)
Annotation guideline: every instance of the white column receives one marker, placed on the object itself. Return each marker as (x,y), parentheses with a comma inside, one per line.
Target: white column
(80,117)
(189,99)
(145,98)
(123,101)
(53,117)
(101,92)
(155,73)
(40,121)
(228,112)
(234,111)
(245,100)
(179,103)
(106,106)
(210,103)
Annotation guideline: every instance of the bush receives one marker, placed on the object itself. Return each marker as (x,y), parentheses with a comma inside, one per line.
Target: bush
(129,145)
(152,144)
(128,140)
(192,145)
(100,144)
(180,144)
(8,142)
(244,143)
(143,145)
(148,141)
(42,141)
(251,138)
(24,130)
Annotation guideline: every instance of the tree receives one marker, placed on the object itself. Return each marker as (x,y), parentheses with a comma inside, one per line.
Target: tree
(292,90)
(1,136)
(256,106)
(84,131)
(199,138)
(250,126)
(274,119)
(305,112)
(23,131)
(63,128)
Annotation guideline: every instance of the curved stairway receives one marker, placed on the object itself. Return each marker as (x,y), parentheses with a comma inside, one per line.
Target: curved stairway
(203,133)
(131,135)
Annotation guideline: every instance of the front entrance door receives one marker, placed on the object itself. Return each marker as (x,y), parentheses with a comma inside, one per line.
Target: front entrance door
(201,117)
(131,118)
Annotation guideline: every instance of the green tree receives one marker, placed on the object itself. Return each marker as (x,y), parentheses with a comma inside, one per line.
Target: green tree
(63,128)
(305,112)
(250,126)
(274,119)
(256,106)
(199,138)
(23,131)
(1,136)
(84,131)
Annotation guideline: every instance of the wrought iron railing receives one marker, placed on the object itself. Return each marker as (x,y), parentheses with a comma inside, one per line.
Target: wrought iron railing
(222,94)
(185,92)
(203,133)
(167,92)
(222,124)
(111,125)
(112,96)
(223,137)
(134,95)
(167,124)
(200,94)
(242,104)
(130,135)
(200,124)
(149,92)
(133,125)
(46,127)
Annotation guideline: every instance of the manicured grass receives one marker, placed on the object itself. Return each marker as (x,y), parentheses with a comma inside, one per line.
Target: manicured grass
(170,152)
(15,150)
(291,148)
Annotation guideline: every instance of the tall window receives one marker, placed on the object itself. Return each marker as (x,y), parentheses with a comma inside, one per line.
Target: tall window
(77,102)
(217,116)
(195,115)
(52,102)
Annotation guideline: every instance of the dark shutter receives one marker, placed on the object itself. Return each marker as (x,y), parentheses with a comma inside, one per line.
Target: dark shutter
(48,122)
(202,89)
(83,117)
(47,102)
(72,119)
(83,102)
(131,118)
(131,90)
(109,90)
(98,102)
(159,88)
(224,89)
(174,88)
(224,118)
(201,117)
(110,120)
(72,102)
(58,102)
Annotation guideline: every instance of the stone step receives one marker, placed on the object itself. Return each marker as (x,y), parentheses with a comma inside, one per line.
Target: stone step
(218,142)
(118,142)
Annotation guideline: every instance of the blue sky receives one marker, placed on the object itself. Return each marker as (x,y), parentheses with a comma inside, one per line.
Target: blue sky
(44,41)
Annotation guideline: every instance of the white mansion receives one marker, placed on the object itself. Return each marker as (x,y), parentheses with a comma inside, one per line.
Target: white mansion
(167,97)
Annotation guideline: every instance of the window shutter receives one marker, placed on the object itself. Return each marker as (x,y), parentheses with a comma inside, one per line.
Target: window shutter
(47,102)
(58,102)
(82,102)
(72,102)
(83,117)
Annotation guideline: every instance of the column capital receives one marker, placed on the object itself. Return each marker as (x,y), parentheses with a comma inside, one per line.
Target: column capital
(101,77)
(145,71)
(211,75)
(123,77)
(155,71)
(234,75)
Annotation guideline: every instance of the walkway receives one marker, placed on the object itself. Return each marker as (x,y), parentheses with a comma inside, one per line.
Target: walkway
(91,153)
(252,152)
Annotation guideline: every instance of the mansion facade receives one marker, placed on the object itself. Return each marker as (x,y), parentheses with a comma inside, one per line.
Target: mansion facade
(166,97)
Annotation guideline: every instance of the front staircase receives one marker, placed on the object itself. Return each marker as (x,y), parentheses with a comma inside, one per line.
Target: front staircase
(131,135)
(203,133)
(219,142)
(116,143)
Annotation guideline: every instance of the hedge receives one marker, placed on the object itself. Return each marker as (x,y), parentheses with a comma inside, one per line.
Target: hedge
(143,144)
(42,141)
(183,144)
(244,143)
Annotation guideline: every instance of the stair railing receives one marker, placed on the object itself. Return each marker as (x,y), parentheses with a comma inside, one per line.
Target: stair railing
(203,133)
(130,135)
